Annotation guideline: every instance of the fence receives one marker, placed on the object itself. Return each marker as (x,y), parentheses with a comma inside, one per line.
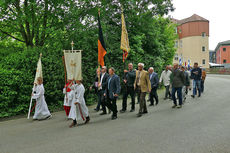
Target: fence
(218,71)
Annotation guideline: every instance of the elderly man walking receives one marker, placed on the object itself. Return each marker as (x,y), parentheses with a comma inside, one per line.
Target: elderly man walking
(178,81)
(165,77)
(142,85)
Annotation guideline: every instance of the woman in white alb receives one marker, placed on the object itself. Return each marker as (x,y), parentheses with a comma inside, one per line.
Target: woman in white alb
(41,110)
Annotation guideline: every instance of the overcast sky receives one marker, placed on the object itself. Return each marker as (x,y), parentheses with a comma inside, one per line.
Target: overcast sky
(216,11)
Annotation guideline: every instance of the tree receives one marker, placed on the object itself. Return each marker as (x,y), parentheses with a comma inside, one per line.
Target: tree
(32,21)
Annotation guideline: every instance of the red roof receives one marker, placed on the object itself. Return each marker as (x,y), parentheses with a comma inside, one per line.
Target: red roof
(192,18)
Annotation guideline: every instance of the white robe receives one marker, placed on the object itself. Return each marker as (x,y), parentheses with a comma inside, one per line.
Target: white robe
(41,109)
(78,111)
(68,102)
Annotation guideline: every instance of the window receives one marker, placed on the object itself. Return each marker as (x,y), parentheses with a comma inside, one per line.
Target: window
(203,61)
(203,48)
(176,57)
(181,45)
(224,49)
(203,34)
(176,44)
(180,31)
(224,61)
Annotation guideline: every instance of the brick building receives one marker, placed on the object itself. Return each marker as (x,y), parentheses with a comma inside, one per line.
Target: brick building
(223,52)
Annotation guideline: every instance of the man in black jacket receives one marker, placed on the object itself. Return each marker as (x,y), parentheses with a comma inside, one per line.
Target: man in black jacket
(196,74)
(112,91)
(129,79)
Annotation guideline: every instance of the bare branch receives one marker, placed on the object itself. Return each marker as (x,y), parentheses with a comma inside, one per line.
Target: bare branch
(11,35)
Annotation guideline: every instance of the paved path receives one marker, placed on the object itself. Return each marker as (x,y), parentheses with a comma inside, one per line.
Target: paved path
(201,126)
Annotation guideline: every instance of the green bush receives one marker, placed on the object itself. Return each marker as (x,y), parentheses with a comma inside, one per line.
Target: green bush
(13,92)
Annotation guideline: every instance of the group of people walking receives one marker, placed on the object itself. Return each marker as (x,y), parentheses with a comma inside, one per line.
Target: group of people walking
(138,82)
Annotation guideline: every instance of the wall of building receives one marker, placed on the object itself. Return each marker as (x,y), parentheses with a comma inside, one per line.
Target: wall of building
(222,55)
(190,48)
(193,29)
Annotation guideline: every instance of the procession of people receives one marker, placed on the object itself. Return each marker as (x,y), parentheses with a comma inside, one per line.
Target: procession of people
(107,87)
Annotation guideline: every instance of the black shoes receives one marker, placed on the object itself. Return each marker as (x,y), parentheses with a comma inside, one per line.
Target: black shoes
(114,117)
(139,115)
(103,113)
(132,110)
(74,123)
(87,120)
(151,104)
(192,96)
(96,109)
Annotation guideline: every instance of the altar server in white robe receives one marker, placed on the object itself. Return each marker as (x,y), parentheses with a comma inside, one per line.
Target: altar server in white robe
(68,97)
(41,110)
(79,110)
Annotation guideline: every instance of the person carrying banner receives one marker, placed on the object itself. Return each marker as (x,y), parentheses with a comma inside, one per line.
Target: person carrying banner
(68,97)
(79,110)
(41,110)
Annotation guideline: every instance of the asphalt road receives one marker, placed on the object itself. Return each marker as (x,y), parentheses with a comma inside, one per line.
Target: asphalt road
(201,126)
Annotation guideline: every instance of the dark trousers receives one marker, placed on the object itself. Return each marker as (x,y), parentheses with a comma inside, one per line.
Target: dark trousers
(202,86)
(112,105)
(141,96)
(103,101)
(179,95)
(167,92)
(153,94)
(128,91)
(100,95)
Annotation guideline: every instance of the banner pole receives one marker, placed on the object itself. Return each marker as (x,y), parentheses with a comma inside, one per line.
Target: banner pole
(31,100)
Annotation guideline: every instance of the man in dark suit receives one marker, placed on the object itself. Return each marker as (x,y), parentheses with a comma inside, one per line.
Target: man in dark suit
(153,77)
(101,88)
(112,91)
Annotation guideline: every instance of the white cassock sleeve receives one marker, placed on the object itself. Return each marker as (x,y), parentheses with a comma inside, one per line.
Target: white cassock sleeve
(64,91)
(39,92)
(80,94)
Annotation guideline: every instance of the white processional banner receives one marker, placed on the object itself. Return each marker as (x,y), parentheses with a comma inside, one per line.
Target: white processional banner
(38,70)
(73,64)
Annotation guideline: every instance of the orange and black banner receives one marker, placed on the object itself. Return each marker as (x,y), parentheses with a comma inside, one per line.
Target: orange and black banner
(101,44)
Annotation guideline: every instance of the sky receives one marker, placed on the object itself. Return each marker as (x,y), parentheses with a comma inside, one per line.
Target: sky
(216,11)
